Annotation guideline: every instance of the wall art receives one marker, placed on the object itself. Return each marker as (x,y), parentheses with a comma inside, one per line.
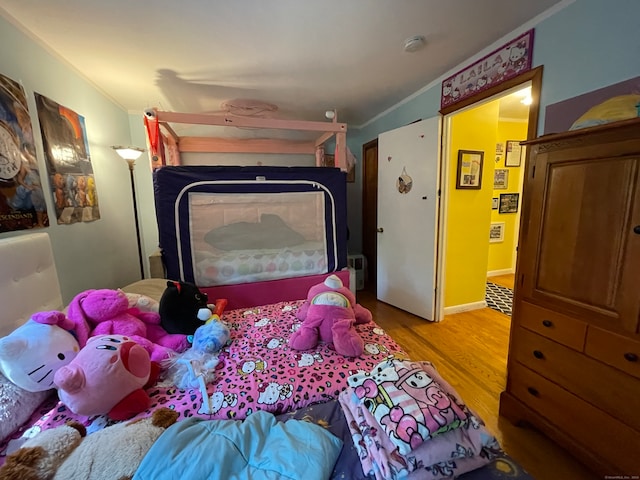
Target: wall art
(66,151)
(22,200)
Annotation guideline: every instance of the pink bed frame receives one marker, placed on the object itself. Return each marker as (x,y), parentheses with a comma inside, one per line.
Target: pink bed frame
(245,295)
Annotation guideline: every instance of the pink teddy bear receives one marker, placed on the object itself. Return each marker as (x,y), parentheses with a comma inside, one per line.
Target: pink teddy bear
(107,312)
(329,315)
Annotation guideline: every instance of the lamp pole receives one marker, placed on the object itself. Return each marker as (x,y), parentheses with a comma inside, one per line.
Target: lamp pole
(135,216)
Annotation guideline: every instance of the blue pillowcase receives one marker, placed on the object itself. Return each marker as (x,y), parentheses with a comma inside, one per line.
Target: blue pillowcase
(258,447)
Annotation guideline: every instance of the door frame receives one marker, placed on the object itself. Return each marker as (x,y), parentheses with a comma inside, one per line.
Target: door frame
(533,76)
(370,215)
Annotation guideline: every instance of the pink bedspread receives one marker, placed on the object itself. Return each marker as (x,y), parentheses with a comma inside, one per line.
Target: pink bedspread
(257,371)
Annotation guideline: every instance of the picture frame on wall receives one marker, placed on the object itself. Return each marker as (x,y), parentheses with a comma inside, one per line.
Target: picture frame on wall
(513,153)
(509,203)
(469,172)
(330,161)
(496,232)
(500,178)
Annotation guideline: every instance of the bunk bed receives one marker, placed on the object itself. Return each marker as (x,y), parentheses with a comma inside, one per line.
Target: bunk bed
(253,234)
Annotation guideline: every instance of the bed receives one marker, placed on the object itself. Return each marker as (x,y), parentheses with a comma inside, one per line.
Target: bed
(258,373)
(231,225)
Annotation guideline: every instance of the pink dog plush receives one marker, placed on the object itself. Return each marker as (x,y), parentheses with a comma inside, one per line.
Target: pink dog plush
(105,311)
(329,314)
(106,377)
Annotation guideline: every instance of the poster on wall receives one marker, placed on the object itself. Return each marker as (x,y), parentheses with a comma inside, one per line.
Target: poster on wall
(66,152)
(619,101)
(508,61)
(22,201)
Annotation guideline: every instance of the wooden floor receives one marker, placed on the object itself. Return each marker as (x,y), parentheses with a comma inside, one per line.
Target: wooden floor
(470,351)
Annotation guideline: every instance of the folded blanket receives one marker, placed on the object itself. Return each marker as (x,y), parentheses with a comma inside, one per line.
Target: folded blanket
(259,447)
(452,453)
(409,404)
(392,446)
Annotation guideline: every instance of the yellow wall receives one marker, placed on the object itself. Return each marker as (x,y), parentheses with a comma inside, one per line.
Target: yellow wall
(501,254)
(469,211)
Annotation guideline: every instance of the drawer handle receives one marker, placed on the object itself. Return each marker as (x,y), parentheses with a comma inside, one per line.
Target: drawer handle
(547,323)
(533,391)
(631,357)
(538,354)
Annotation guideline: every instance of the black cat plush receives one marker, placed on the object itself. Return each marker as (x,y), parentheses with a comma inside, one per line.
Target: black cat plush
(179,306)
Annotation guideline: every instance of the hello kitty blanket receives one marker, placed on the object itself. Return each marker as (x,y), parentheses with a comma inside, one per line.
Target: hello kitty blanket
(257,370)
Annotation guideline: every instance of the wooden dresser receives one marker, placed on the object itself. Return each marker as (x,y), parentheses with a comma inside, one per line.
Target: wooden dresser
(574,352)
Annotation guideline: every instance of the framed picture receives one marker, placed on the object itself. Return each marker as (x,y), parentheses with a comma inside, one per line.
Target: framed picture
(330,161)
(351,175)
(469,173)
(500,178)
(496,233)
(513,157)
(508,202)
(494,203)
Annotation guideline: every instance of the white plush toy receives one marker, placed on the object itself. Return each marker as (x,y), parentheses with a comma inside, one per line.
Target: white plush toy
(32,354)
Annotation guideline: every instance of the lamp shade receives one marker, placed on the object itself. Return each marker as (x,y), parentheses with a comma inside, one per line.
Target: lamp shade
(128,153)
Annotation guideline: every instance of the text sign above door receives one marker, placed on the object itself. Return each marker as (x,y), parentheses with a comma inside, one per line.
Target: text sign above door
(507,62)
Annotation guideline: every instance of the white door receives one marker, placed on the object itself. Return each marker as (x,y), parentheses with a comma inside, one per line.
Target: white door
(407,216)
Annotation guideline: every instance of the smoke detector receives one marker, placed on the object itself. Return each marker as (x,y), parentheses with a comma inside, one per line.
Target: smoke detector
(248,108)
(415,43)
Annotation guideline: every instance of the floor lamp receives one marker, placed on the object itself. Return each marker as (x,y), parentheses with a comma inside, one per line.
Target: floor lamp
(130,155)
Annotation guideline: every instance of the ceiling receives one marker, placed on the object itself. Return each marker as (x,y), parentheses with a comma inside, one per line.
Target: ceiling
(303,56)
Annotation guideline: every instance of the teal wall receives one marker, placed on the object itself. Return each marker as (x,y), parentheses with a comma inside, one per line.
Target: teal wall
(99,254)
(584,45)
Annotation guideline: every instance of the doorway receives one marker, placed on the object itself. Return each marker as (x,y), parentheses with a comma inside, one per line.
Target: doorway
(370,214)
(370,180)
(481,223)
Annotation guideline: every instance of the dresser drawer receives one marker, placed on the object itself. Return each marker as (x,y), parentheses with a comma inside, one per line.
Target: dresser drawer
(553,325)
(594,382)
(590,427)
(616,350)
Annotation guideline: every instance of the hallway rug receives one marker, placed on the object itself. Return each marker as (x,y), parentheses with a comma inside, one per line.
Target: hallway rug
(499,298)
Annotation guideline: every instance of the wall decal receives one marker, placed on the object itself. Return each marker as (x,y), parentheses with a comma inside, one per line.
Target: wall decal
(510,60)
(404,182)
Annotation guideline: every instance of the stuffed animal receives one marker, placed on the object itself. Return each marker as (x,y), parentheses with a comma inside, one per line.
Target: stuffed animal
(32,354)
(143,303)
(107,377)
(195,367)
(107,311)
(329,315)
(40,456)
(17,405)
(114,452)
(179,307)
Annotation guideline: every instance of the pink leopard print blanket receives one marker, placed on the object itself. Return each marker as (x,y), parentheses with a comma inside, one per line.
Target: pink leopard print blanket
(257,371)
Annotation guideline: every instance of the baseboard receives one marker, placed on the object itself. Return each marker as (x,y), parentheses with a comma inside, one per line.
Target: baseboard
(504,271)
(465,307)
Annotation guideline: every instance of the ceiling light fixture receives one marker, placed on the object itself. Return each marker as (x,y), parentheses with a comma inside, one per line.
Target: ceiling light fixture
(528,100)
(415,43)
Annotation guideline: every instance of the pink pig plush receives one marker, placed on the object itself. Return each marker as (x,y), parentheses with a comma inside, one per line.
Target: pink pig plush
(329,314)
(105,311)
(107,377)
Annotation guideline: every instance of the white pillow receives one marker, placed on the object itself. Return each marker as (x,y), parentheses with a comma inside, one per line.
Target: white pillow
(17,405)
